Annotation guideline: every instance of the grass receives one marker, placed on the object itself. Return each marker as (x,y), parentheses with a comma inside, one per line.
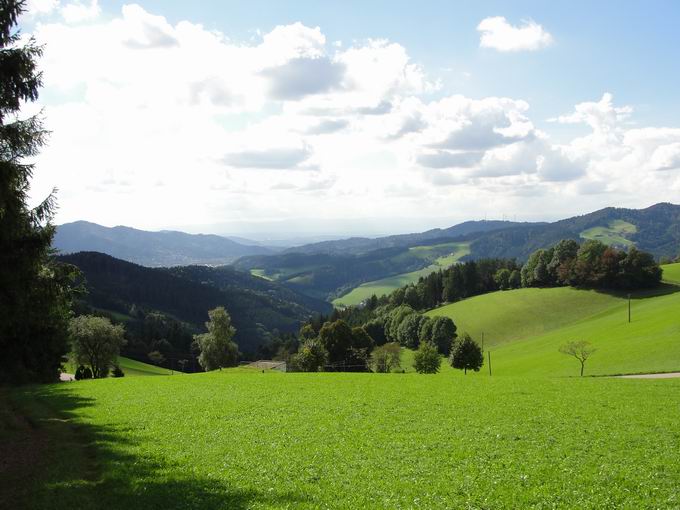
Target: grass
(133,367)
(613,234)
(512,315)
(236,440)
(446,255)
(671,273)
(130,367)
(261,273)
(525,328)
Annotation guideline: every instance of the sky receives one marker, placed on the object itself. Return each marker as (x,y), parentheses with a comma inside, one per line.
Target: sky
(354,118)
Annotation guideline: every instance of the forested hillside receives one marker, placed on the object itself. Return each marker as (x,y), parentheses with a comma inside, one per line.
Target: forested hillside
(332,269)
(183,296)
(655,229)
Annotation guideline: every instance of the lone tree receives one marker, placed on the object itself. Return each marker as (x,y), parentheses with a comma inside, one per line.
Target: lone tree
(311,357)
(581,350)
(466,354)
(35,291)
(426,359)
(96,343)
(217,348)
(386,358)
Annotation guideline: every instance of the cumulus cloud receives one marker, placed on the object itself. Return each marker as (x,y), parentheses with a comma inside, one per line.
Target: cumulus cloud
(498,34)
(41,7)
(302,77)
(76,12)
(327,126)
(229,127)
(274,158)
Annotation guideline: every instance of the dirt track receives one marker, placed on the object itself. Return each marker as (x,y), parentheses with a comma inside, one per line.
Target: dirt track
(669,375)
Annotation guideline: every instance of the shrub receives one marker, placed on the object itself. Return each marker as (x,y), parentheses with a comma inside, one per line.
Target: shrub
(386,358)
(427,359)
(117,372)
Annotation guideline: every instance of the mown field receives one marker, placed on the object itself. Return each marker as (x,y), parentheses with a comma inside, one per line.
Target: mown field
(240,439)
(613,234)
(389,284)
(130,367)
(524,329)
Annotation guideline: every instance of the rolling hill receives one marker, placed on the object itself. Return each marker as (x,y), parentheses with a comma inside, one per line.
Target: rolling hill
(348,271)
(185,294)
(524,328)
(152,249)
(655,229)
(391,283)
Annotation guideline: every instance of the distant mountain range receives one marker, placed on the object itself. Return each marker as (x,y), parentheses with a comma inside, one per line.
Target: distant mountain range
(153,249)
(361,245)
(327,269)
(330,269)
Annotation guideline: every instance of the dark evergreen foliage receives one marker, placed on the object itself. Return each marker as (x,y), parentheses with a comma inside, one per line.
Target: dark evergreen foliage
(171,304)
(35,291)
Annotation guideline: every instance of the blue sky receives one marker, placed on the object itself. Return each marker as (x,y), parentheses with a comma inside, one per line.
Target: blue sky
(627,47)
(566,108)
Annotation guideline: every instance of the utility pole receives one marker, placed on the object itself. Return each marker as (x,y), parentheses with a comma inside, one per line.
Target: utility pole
(489,363)
(628,308)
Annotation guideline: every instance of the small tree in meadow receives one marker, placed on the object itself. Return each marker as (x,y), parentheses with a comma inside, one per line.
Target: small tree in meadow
(466,354)
(217,348)
(386,358)
(427,360)
(581,350)
(311,356)
(96,343)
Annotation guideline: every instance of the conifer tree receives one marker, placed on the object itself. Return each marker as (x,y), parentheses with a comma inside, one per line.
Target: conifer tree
(35,291)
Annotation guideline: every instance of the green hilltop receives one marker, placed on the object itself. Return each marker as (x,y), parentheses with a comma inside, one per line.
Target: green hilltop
(524,328)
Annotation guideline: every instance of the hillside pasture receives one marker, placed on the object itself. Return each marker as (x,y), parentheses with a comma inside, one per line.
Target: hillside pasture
(237,439)
(671,273)
(442,256)
(524,329)
(614,234)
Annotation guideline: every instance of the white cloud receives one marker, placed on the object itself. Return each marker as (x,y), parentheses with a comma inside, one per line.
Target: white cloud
(41,7)
(498,34)
(76,12)
(228,127)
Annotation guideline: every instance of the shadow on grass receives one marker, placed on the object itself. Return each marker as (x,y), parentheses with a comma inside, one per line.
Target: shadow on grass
(85,466)
(663,289)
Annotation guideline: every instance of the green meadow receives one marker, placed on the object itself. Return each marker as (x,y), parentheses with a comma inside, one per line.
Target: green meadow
(524,328)
(532,435)
(613,234)
(391,283)
(243,439)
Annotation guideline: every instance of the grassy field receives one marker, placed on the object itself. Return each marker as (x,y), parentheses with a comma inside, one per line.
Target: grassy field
(133,367)
(525,328)
(614,234)
(130,367)
(387,285)
(233,440)
(671,273)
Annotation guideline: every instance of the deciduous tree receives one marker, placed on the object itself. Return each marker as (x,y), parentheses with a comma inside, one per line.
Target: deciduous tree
(96,342)
(427,359)
(581,350)
(217,348)
(466,354)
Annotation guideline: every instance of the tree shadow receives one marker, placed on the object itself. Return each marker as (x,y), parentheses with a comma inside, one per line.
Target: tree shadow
(82,465)
(663,289)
